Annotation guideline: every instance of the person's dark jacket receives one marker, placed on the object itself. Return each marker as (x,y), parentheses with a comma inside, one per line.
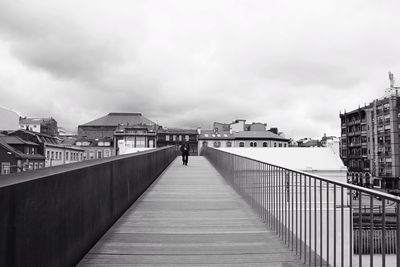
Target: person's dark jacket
(185,148)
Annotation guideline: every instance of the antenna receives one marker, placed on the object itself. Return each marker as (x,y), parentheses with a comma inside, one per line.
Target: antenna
(391,79)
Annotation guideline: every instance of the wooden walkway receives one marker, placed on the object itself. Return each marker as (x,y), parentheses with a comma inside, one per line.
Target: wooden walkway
(190,217)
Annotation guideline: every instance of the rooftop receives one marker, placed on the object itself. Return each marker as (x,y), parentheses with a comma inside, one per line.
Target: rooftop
(258,134)
(298,158)
(211,135)
(115,119)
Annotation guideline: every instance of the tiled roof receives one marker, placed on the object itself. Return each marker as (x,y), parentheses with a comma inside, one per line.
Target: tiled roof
(17,153)
(41,137)
(115,119)
(258,135)
(15,140)
(177,131)
(211,135)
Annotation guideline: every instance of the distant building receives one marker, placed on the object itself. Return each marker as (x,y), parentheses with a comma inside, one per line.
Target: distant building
(308,142)
(239,125)
(62,133)
(135,136)
(370,138)
(17,155)
(40,125)
(259,139)
(176,136)
(56,152)
(96,149)
(107,125)
(216,139)
(212,138)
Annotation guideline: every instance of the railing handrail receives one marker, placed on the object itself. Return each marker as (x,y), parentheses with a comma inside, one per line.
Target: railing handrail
(21,177)
(346,185)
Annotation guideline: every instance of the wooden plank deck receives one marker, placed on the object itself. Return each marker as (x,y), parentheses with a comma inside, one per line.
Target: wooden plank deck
(190,217)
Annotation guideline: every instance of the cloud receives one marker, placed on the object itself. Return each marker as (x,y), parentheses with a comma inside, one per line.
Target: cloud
(293,65)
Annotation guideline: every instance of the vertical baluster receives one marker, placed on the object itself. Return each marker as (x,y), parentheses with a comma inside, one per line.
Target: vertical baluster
(398,233)
(341,227)
(286,207)
(315,222)
(327,224)
(309,220)
(359,229)
(305,219)
(351,228)
(334,225)
(320,223)
(301,216)
(292,204)
(383,232)
(371,232)
(297,214)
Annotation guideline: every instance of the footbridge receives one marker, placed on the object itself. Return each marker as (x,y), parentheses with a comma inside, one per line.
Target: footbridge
(147,209)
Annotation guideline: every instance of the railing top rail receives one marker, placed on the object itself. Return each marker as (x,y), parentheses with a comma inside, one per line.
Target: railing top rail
(339,183)
(21,177)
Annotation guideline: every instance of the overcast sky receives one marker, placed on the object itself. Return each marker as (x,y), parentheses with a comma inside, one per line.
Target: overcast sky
(291,64)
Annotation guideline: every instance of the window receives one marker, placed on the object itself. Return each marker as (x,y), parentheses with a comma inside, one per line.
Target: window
(99,154)
(40,165)
(241,144)
(205,143)
(180,138)
(107,153)
(217,144)
(140,142)
(107,143)
(78,143)
(36,165)
(265,144)
(5,167)
(167,137)
(285,145)
(280,145)
(66,155)
(100,144)
(187,138)
(174,138)
(52,154)
(251,144)
(274,144)
(48,154)
(255,144)
(91,154)
(229,144)
(30,166)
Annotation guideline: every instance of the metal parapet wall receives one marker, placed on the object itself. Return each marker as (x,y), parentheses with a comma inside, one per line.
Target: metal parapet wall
(53,216)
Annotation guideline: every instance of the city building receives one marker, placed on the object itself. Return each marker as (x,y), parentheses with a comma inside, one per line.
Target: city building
(96,149)
(259,139)
(56,152)
(370,142)
(308,142)
(176,136)
(213,138)
(107,125)
(17,155)
(134,136)
(239,126)
(40,125)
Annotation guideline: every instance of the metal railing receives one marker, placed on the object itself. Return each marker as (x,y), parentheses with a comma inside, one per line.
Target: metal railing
(323,221)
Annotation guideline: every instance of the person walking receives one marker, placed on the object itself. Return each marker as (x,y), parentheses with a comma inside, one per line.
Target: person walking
(185,148)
